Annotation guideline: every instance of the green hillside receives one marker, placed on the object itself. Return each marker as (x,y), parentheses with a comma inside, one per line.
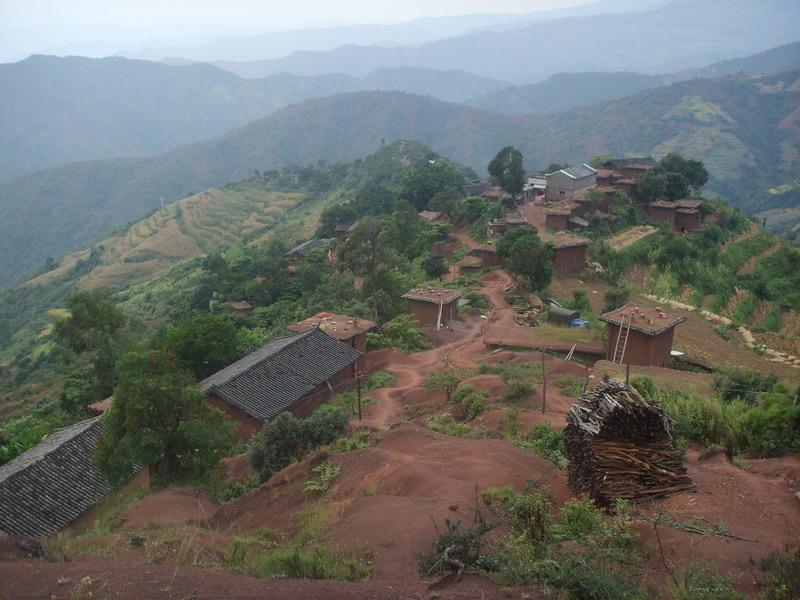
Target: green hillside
(745,129)
(565,91)
(62,110)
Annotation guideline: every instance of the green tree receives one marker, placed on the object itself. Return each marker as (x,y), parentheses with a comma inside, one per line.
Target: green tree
(446,200)
(202,344)
(527,257)
(615,298)
(158,418)
(368,254)
(427,178)
(94,325)
(448,379)
(435,266)
(693,171)
(506,170)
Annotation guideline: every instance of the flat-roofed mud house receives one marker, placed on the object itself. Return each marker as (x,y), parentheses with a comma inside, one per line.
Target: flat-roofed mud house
(348,330)
(433,306)
(627,168)
(662,211)
(562,184)
(557,216)
(51,485)
(687,216)
(641,335)
(295,373)
(569,251)
(469,264)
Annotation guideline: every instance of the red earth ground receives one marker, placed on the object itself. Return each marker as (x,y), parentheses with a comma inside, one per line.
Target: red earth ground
(394,496)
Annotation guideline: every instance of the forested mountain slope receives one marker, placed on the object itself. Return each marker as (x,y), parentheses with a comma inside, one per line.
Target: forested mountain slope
(61,110)
(746,130)
(564,91)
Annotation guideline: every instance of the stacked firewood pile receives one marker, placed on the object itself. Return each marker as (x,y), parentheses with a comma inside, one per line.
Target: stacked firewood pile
(527,318)
(619,446)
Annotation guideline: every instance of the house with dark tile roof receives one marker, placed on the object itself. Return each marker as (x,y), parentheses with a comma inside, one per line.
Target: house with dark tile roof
(296,373)
(49,486)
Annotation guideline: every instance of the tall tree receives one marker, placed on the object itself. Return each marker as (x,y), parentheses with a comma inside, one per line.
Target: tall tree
(366,253)
(427,178)
(202,344)
(94,325)
(158,418)
(507,170)
(527,256)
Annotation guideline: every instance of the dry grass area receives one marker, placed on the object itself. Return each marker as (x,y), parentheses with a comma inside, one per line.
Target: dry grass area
(630,236)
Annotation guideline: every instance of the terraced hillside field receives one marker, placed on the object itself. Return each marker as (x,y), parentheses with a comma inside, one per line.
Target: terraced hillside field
(190,228)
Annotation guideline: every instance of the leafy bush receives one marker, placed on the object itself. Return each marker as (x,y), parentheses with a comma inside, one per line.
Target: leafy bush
(744,384)
(546,442)
(615,298)
(446,424)
(471,399)
(458,548)
(402,333)
(783,580)
(518,391)
(284,439)
(237,488)
(448,379)
(360,439)
(326,473)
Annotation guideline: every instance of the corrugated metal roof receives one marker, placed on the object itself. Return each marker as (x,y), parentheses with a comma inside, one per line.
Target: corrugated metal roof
(46,488)
(274,377)
(579,171)
(306,248)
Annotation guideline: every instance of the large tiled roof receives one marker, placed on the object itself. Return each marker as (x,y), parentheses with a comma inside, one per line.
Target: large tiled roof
(644,319)
(46,488)
(277,375)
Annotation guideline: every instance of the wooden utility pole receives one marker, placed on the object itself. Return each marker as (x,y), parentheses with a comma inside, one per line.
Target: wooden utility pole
(358,384)
(627,373)
(544,385)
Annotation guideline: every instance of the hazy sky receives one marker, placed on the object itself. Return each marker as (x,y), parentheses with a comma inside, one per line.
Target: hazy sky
(250,13)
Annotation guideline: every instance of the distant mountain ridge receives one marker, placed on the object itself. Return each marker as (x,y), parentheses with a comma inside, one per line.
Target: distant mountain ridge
(745,129)
(59,110)
(669,36)
(565,91)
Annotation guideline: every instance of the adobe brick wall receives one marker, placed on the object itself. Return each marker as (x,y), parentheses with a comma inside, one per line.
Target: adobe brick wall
(244,425)
(661,214)
(427,312)
(641,349)
(687,222)
(556,222)
(570,259)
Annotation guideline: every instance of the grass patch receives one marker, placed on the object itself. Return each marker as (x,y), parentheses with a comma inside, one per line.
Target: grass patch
(571,385)
(309,554)
(548,443)
(445,423)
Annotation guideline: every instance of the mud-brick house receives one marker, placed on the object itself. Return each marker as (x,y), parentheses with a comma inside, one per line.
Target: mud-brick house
(662,211)
(48,487)
(343,231)
(562,184)
(640,335)
(348,330)
(296,373)
(627,168)
(469,265)
(476,187)
(498,227)
(688,218)
(569,251)
(556,216)
(433,306)
(487,254)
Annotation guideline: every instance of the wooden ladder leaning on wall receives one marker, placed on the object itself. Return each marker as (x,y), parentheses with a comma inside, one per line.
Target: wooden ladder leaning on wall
(619,351)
